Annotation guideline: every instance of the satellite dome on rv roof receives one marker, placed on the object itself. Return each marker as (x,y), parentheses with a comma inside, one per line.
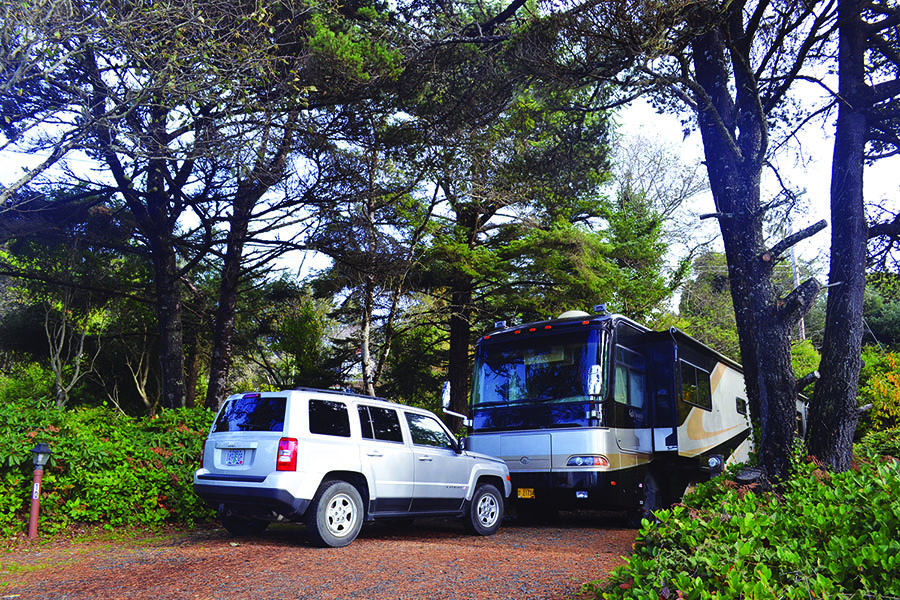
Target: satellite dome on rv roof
(571,314)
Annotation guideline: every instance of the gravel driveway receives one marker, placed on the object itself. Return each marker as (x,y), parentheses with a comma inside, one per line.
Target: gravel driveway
(430,559)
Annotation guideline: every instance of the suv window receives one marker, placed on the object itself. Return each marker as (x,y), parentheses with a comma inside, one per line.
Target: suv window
(427,431)
(252,413)
(380,424)
(327,417)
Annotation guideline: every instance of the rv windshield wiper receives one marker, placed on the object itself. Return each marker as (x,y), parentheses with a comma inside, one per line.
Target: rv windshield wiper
(491,403)
(536,399)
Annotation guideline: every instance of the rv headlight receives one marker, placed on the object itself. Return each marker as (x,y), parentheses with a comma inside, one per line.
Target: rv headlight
(587,461)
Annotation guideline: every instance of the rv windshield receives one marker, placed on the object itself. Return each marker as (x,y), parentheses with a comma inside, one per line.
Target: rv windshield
(559,368)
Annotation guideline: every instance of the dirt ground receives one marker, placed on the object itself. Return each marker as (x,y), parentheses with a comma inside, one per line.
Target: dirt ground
(429,559)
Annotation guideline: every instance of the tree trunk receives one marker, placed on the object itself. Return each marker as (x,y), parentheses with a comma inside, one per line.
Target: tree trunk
(168,310)
(365,335)
(833,413)
(735,139)
(223,329)
(193,370)
(249,192)
(458,368)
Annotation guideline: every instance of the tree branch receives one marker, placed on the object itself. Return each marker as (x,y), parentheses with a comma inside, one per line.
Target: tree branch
(889,229)
(479,30)
(796,304)
(807,380)
(793,239)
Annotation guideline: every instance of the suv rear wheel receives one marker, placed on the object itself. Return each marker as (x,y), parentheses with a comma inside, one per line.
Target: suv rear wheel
(336,514)
(485,512)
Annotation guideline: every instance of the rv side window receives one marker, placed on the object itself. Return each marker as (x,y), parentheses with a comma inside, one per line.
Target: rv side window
(695,386)
(741,406)
(629,377)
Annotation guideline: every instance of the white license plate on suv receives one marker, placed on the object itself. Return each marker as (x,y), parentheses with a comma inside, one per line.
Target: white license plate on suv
(234,458)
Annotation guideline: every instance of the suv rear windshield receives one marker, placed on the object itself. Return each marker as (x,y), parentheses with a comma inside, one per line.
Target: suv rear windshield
(252,413)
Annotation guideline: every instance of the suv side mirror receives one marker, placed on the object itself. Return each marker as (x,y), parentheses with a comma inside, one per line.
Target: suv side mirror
(460,445)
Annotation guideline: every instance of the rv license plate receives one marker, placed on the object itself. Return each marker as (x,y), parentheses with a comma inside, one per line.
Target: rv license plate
(234,458)
(525,493)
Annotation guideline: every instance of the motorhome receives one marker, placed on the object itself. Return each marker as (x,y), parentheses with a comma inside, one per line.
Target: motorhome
(595,411)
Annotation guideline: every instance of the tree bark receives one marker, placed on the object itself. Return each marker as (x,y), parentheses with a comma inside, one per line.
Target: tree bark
(735,139)
(458,367)
(226,311)
(193,369)
(833,413)
(365,335)
(264,175)
(169,314)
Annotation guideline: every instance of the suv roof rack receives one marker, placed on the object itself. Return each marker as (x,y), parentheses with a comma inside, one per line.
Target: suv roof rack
(342,393)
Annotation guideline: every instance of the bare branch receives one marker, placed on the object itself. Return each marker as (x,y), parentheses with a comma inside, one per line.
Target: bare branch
(793,239)
(807,380)
(796,304)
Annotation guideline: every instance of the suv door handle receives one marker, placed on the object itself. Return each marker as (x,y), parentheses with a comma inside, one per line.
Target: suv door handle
(374,453)
(425,458)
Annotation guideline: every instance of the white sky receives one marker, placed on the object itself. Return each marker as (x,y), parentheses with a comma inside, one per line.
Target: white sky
(810,172)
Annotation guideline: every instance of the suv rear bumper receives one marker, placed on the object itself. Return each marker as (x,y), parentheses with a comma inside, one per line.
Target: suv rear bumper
(251,501)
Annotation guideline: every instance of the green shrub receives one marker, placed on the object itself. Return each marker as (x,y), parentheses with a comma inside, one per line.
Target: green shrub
(106,467)
(826,536)
(879,385)
(883,443)
(31,383)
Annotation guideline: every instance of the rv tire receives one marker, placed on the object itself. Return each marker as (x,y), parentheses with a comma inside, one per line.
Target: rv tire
(652,496)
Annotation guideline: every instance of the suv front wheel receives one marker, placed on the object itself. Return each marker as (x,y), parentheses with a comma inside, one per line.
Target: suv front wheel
(336,514)
(485,511)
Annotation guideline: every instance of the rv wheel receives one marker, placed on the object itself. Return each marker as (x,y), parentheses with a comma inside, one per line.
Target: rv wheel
(651,502)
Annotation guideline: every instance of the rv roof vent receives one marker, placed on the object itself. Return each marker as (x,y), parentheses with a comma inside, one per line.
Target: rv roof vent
(571,314)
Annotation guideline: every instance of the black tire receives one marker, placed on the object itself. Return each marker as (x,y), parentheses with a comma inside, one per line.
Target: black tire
(241,527)
(336,515)
(485,511)
(652,495)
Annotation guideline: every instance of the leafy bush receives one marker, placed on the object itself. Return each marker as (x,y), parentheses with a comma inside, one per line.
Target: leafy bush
(105,468)
(827,536)
(30,381)
(805,358)
(885,443)
(879,385)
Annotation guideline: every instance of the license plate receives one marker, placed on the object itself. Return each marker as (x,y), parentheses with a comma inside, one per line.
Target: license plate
(234,458)
(525,493)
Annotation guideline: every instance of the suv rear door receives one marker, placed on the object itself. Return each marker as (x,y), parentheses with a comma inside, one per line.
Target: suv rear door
(244,438)
(387,459)
(442,475)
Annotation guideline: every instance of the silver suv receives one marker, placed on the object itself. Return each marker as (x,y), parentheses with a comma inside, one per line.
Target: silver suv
(333,460)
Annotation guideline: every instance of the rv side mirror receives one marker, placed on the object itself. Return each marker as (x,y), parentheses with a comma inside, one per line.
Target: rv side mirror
(445,395)
(445,402)
(595,381)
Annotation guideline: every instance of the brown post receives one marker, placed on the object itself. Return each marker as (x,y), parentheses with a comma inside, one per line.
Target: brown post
(35,501)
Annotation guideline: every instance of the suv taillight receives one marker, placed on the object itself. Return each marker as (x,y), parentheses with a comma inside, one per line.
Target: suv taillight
(202,453)
(287,455)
